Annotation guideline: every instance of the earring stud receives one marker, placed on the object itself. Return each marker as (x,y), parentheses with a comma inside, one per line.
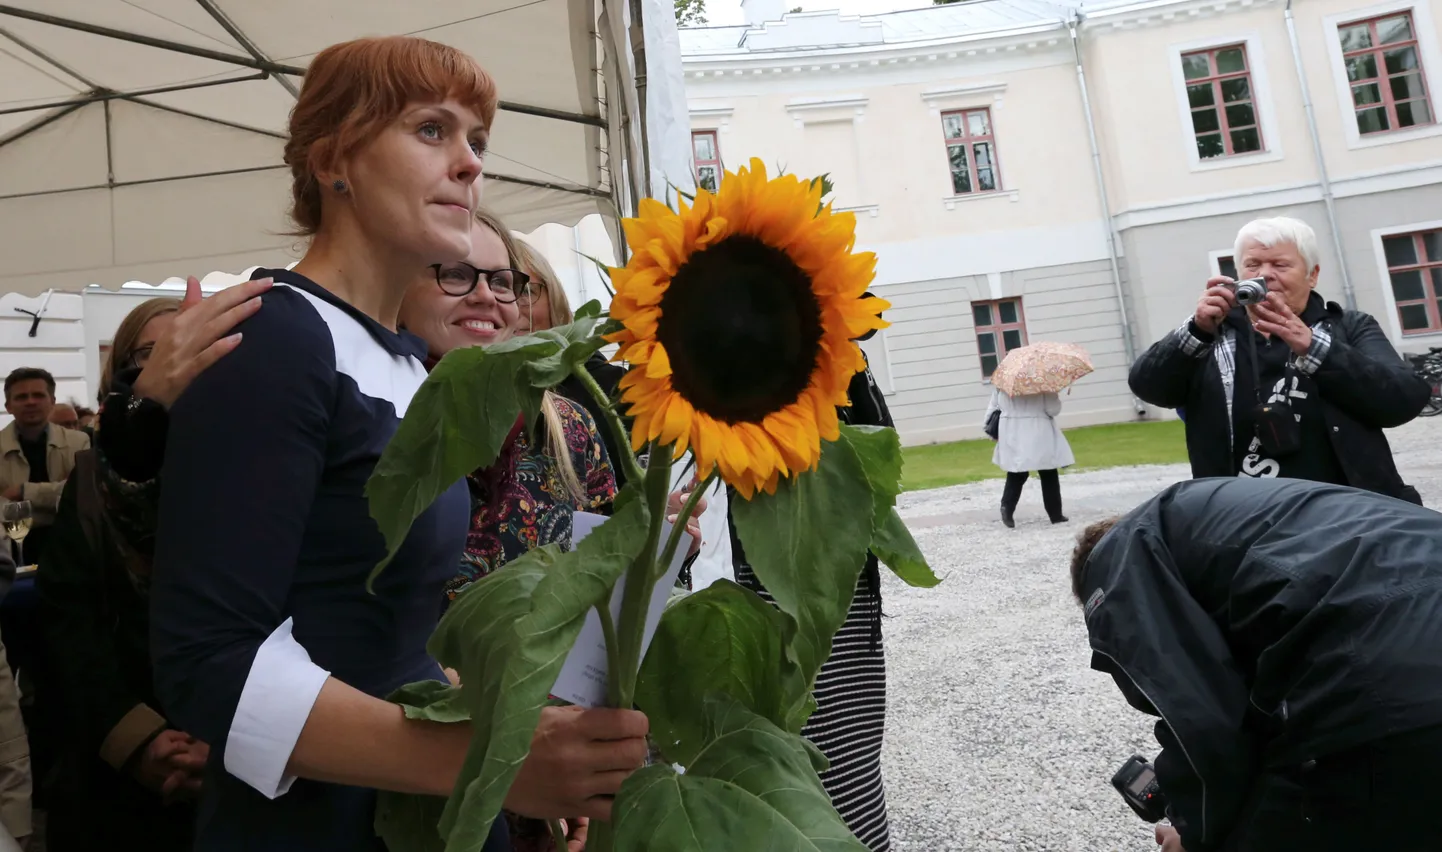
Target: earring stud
(339,186)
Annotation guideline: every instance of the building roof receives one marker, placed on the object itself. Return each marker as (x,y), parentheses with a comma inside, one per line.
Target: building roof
(820,29)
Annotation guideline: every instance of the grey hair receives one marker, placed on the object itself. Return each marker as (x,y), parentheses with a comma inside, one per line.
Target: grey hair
(1268,233)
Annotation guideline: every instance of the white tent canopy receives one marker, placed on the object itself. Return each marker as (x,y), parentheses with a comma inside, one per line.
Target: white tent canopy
(141,139)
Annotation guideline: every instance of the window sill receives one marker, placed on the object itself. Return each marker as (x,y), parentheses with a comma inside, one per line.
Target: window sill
(1392,137)
(1420,340)
(1009,194)
(873,209)
(1213,164)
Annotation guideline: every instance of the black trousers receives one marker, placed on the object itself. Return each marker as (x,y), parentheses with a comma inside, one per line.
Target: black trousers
(1383,795)
(1050,491)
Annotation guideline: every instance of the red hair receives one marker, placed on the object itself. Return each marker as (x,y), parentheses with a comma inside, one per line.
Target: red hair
(355,88)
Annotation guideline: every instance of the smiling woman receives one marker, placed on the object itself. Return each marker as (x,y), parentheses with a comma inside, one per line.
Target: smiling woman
(266,644)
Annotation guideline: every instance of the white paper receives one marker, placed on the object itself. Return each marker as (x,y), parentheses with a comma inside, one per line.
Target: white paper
(583,676)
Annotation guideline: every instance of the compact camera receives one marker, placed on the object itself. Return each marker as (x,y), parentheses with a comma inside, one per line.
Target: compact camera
(1250,291)
(1137,782)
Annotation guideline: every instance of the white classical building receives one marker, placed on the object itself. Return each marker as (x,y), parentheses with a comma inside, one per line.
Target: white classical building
(968,139)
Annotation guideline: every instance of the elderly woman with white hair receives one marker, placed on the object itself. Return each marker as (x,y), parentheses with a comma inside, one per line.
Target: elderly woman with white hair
(1290,386)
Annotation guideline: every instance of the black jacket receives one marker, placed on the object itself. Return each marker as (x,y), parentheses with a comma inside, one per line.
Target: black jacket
(1364,384)
(1268,622)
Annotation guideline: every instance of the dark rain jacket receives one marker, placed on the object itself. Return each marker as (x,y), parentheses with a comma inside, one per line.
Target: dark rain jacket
(1267,622)
(1365,387)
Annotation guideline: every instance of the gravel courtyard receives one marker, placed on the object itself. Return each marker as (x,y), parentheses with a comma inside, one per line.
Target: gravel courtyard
(999,735)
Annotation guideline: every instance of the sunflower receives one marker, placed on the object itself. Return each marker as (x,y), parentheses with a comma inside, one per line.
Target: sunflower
(740,313)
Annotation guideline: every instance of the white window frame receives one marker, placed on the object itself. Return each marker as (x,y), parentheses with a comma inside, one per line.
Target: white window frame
(1261,101)
(1411,342)
(1431,67)
(1214,259)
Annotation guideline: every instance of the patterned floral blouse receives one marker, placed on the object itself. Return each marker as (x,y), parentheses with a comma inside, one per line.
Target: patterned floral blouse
(526,506)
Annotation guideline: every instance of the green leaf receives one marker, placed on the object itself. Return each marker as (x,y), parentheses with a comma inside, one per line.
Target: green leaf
(508,636)
(455,424)
(807,544)
(405,821)
(573,344)
(590,309)
(409,823)
(752,787)
(897,550)
(879,450)
(722,639)
(431,701)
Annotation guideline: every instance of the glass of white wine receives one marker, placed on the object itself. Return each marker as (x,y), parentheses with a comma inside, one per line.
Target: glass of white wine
(16,517)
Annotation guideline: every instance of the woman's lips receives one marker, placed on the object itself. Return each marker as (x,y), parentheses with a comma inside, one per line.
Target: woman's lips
(480,328)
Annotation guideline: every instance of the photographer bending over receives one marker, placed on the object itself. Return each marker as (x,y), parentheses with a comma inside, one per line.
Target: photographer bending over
(1289,635)
(1291,386)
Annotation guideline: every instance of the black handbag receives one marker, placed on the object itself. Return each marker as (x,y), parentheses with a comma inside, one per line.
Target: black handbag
(993,424)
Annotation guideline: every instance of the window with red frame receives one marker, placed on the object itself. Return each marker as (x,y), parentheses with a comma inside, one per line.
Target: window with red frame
(1000,328)
(708,159)
(1414,263)
(971,151)
(1219,93)
(1227,266)
(1384,68)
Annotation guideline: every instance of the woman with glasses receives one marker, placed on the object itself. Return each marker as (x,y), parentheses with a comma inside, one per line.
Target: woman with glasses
(528,497)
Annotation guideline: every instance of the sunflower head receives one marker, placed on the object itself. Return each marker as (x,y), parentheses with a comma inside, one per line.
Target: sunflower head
(740,314)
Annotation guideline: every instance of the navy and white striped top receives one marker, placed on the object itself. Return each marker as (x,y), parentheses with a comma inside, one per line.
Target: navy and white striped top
(264,544)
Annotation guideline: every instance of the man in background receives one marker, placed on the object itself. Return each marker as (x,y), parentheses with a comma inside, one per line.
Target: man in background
(1289,635)
(65,415)
(35,457)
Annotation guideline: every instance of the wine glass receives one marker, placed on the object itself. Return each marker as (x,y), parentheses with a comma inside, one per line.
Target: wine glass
(17,517)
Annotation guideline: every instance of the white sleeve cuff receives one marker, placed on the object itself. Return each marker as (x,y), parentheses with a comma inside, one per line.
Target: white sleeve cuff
(274,704)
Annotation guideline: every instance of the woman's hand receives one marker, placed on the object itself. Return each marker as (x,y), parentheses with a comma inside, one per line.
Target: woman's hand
(197,338)
(1273,317)
(579,759)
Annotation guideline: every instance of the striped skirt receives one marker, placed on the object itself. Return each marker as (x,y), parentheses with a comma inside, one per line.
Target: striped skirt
(850,718)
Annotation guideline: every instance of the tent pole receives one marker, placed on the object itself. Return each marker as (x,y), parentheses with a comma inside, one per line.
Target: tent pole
(244,41)
(638,52)
(108,95)
(148,41)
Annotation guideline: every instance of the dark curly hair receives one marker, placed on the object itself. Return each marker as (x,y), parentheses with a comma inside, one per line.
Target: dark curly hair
(1086,542)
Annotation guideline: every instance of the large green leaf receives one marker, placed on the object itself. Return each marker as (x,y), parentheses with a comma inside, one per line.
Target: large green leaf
(807,544)
(752,787)
(573,344)
(722,639)
(508,636)
(879,449)
(897,550)
(455,424)
(410,823)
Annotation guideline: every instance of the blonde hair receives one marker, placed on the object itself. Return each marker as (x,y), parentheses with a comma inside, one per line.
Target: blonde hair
(555,446)
(127,337)
(534,264)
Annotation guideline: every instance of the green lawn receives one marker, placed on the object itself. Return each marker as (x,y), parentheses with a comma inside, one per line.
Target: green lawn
(1158,442)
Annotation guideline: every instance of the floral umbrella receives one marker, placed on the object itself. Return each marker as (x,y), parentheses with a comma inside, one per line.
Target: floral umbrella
(1041,368)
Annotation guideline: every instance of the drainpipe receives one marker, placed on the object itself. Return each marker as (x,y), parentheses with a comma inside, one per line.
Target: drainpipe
(1127,341)
(1348,294)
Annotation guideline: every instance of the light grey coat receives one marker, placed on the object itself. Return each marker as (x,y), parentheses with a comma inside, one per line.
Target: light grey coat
(1027,435)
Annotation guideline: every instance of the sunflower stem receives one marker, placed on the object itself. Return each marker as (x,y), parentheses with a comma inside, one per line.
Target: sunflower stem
(613,652)
(687,510)
(634,473)
(558,834)
(641,579)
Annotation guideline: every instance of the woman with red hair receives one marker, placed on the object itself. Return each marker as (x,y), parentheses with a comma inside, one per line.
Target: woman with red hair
(266,643)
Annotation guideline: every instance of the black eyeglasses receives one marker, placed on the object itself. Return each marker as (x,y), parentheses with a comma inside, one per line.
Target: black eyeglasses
(461,279)
(141,356)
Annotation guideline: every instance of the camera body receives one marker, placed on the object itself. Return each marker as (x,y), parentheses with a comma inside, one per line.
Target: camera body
(1250,291)
(1137,782)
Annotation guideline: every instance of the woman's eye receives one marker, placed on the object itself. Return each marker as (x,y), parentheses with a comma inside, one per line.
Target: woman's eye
(431,130)
(478,148)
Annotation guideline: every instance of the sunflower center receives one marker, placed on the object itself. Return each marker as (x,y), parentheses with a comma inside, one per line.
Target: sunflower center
(742,330)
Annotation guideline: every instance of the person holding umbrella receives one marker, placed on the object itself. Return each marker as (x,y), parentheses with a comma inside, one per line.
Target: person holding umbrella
(1021,418)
